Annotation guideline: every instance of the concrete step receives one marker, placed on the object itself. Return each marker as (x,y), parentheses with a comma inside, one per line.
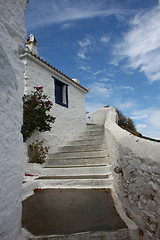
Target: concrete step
(120,234)
(63,182)
(83,161)
(72,170)
(93,132)
(76,182)
(94,126)
(91,137)
(84,142)
(82,148)
(62,155)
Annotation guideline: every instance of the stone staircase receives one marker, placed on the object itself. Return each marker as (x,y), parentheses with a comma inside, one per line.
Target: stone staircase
(83,163)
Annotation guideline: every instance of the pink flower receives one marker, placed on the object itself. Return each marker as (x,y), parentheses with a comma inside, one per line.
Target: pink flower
(38,88)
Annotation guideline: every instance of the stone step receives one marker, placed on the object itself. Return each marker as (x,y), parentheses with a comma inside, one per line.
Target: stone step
(82,142)
(91,137)
(96,131)
(76,182)
(94,126)
(62,155)
(64,183)
(86,161)
(82,148)
(119,234)
(71,170)
(93,132)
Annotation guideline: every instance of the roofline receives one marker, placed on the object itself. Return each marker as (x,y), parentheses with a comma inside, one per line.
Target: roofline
(37,58)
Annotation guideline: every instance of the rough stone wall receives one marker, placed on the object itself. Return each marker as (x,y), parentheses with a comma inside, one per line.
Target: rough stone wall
(69,121)
(138,186)
(11,90)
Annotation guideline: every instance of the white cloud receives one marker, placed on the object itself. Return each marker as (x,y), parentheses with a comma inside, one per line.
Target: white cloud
(126,88)
(93,106)
(148,121)
(141,126)
(154,118)
(138,115)
(125,105)
(85,68)
(114,63)
(81,54)
(97,72)
(100,91)
(86,46)
(105,79)
(85,43)
(147,97)
(66,26)
(141,44)
(109,94)
(150,115)
(104,39)
(100,88)
(49,12)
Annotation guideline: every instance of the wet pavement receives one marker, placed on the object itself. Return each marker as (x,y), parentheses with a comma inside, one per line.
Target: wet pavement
(65,211)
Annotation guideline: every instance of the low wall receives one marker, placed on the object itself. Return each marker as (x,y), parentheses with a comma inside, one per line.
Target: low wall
(138,185)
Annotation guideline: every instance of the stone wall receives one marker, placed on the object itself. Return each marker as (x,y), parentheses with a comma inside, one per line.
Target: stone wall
(11,90)
(138,185)
(69,121)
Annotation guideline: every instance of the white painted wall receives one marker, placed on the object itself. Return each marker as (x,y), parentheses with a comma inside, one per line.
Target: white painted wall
(139,186)
(69,121)
(12,40)
(98,117)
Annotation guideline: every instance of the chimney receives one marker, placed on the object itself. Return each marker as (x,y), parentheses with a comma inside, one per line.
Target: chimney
(76,80)
(31,44)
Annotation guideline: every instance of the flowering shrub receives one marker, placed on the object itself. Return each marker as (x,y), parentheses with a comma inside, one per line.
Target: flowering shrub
(35,116)
(37,152)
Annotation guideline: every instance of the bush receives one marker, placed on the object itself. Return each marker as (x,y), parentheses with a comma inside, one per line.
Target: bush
(37,152)
(127,123)
(35,116)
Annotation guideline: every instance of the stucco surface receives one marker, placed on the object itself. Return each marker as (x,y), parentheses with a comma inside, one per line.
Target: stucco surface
(11,90)
(69,121)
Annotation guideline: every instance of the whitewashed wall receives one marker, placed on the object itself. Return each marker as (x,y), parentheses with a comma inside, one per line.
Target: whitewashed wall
(12,40)
(69,121)
(139,186)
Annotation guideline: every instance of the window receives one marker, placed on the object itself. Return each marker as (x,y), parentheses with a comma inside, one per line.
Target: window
(61,93)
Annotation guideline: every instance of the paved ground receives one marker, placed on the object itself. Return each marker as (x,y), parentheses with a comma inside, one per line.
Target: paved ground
(53,211)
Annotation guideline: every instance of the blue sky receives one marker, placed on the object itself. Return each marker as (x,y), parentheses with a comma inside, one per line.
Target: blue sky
(111,46)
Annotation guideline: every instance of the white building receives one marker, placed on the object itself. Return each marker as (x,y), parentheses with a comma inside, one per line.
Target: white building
(66,94)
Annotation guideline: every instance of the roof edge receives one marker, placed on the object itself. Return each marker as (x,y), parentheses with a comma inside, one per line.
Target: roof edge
(25,53)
